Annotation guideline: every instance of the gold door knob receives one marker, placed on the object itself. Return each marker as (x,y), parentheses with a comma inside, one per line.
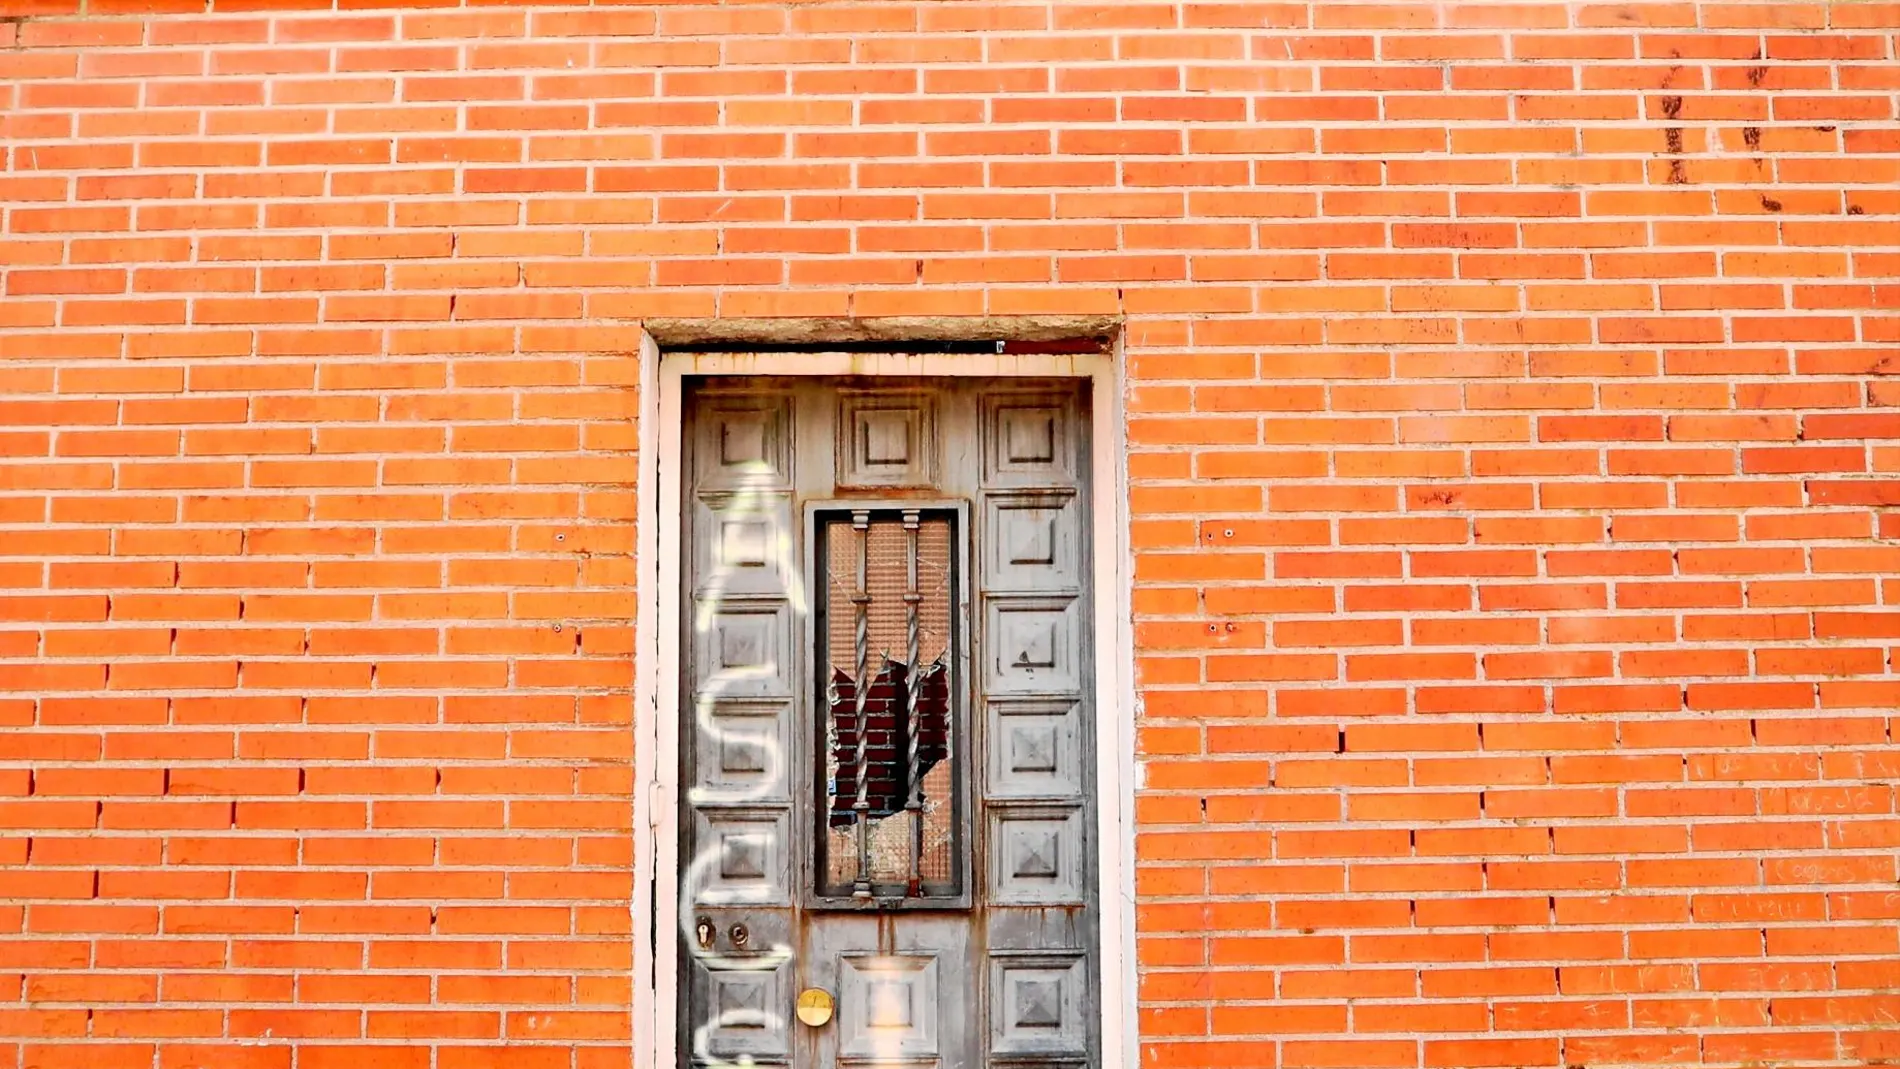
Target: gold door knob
(815,1005)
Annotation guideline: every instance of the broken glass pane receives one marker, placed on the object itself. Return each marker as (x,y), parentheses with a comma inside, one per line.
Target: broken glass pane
(888,751)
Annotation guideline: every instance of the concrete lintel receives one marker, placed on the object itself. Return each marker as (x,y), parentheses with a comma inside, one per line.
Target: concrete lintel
(839,329)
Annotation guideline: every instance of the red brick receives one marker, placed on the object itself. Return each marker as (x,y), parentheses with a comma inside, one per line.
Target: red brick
(1528,490)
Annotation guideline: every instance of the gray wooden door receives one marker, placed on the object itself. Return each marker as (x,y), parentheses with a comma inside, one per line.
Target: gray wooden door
(887,732)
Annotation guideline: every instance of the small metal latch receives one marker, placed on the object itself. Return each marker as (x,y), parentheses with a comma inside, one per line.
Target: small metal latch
(657,803)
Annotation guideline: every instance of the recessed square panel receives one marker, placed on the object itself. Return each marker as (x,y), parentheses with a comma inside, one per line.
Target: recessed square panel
(742,545)
(1036,855)
(1038,1002)
(748,1001)
(1035,750)
(1031,646)
(742,753)
(887,438)
(887,1006)
(744,649)
(1031,748)
(744,443)
(1029,435)
(742,858)
(1031,538)
(1032,542)
(742,541)
(741,1000)
(1030,439)
(744,854)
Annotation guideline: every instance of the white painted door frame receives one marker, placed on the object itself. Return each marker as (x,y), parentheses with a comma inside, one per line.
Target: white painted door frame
(657,665)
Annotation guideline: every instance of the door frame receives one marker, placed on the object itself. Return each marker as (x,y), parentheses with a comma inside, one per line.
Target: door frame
(657,661)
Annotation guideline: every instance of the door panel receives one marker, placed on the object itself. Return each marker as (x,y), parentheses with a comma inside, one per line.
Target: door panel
(903,989)
(888,734)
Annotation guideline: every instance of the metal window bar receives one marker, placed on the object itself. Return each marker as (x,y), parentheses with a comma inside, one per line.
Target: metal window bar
(913,724)
(861,690)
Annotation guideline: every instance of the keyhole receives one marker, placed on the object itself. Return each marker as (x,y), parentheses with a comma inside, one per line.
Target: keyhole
(706,933)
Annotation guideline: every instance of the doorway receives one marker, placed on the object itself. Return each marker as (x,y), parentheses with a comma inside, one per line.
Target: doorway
(886,804)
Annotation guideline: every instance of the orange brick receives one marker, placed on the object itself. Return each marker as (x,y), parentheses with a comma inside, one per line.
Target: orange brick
(1481,503)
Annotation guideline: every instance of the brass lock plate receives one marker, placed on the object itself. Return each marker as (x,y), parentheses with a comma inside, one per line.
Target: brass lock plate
(815,1005)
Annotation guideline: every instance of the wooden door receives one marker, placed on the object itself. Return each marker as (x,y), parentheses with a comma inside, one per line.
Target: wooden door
(887,737)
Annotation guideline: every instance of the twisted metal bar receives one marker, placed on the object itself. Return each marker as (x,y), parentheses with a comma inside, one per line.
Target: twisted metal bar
(913,679)
(948,658)
(861,523)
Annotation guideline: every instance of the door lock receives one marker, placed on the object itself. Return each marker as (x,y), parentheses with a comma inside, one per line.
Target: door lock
(706,933)
(740,937)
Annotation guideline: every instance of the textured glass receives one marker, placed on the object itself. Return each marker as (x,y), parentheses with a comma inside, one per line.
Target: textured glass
(890,748)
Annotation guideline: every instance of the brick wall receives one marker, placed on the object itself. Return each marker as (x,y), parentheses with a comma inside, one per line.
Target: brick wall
(1512,449)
